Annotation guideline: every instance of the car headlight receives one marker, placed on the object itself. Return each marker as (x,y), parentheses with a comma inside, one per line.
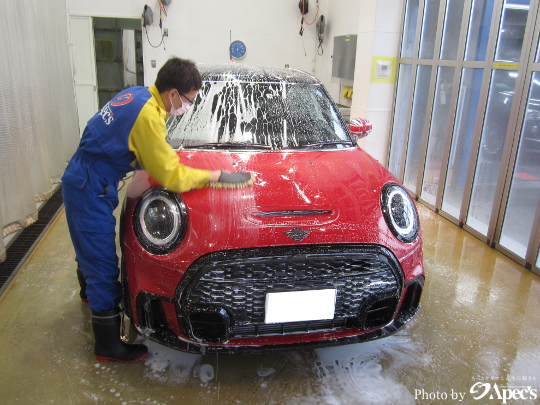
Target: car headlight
(160,221)
(399,212)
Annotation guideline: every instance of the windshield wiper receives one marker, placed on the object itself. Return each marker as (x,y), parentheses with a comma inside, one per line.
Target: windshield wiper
(317,145)
(229,145)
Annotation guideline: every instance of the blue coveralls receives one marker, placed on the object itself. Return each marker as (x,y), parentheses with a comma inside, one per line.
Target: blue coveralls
(89,188)
(127,133)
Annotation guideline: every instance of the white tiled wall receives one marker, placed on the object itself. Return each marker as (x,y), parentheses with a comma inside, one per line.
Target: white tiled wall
(201,30)
(378,35)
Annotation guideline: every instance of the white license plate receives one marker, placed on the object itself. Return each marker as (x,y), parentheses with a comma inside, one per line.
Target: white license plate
(298,306)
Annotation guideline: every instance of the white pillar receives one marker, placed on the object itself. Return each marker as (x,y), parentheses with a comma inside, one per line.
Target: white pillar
(379,34)
(130,69)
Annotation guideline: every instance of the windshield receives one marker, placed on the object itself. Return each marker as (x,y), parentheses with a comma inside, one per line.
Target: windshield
(235,114)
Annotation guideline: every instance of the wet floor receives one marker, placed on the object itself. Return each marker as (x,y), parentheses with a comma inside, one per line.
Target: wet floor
(477,336)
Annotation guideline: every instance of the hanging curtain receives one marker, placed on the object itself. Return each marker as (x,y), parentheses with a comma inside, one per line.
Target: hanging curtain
(38,118)
(128,44)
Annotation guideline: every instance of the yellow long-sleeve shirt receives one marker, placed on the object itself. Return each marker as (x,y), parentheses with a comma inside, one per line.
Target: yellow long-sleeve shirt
(155,155)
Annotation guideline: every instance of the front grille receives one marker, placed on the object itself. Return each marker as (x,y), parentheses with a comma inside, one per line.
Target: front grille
(292,327)
(368,280)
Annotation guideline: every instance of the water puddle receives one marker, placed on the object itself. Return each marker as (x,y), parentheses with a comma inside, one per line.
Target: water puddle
(366,373)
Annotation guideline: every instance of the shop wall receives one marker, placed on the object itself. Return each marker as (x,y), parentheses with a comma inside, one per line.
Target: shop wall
(202,31)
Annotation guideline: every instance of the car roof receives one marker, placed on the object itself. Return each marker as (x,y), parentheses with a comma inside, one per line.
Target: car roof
(217,72)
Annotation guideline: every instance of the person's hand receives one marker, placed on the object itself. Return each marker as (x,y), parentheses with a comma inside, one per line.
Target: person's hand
(222,179)
(214,175)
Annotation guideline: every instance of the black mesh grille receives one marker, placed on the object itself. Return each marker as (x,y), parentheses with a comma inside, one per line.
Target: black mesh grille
(239,280)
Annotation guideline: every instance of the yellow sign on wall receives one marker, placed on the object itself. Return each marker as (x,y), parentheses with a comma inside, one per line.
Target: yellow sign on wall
(383,69)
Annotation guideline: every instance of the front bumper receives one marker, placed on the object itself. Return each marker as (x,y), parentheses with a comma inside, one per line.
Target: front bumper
(219,302)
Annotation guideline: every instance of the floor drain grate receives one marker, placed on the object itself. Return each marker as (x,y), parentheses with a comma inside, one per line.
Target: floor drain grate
(23,245)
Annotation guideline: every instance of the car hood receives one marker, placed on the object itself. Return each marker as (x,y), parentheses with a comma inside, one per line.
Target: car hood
(304,197)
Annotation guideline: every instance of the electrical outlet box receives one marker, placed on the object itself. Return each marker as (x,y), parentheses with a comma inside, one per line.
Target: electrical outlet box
(344,58)
(153,63)
(165,32)
(384,69)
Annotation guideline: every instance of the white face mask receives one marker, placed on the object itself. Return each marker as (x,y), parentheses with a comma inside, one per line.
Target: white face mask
(178,111)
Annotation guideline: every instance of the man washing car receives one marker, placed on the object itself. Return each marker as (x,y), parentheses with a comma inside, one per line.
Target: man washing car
(127,133)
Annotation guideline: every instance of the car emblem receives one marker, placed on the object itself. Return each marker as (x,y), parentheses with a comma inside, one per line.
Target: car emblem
(297,234)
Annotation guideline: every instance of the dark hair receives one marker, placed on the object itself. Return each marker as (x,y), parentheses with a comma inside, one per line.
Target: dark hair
(179,74)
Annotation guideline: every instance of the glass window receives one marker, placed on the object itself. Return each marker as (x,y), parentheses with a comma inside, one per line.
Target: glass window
(452,29)
(460,152)
(538,52)
(414,146)
(478,33)
(429,29)
(265,115)
(400,118)
(409,29)
(437,132)
(512,30)
(538,259)
(525,186)
(501,93)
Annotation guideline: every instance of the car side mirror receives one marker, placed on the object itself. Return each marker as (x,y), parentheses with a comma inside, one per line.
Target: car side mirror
(360,128)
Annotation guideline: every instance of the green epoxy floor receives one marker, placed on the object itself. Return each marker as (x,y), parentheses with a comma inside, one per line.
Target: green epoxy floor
(479,325)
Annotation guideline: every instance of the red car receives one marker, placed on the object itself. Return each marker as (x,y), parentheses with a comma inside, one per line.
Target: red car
(324,249)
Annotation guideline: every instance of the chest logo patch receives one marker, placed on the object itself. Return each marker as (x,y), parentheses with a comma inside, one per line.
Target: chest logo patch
(122,100)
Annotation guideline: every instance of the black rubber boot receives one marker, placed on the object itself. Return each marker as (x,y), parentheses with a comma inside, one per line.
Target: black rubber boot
(82,283)
(109,346)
